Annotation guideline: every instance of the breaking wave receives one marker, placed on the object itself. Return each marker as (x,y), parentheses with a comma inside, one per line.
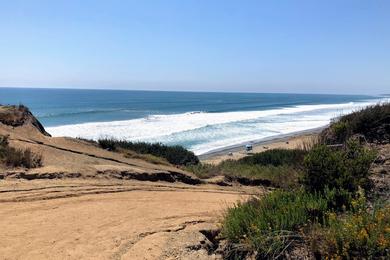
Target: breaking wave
(202,132)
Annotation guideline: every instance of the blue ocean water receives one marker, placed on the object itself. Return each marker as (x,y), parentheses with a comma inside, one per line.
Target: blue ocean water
(199,121)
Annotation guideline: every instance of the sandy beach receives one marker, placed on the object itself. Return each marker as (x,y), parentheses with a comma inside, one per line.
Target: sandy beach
(288,141)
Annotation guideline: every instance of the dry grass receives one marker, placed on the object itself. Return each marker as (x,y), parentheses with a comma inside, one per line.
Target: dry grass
(145,157)
(12,157)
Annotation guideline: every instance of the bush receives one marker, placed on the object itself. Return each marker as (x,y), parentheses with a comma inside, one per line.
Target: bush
(177,155)
(332,181)
(145,157)
(276,157)
(279,167)
(341,131)
(344,169)
(284,176)
(280,220)
(269,225)
(362,234)
(18,158)
(373,122)
(330,212)
(108,144)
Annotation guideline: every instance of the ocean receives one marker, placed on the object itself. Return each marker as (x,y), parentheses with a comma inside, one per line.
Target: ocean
(201,122)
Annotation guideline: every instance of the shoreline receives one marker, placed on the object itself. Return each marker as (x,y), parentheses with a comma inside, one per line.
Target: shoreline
(290,141)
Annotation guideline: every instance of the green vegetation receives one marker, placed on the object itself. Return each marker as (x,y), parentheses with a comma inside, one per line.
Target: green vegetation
(279,167)
(145,157)
(284,176)
(275,157)
(372,122)
(329,213)
(12,157)
(343,170)
(361,234)
(176,155)
(267,225)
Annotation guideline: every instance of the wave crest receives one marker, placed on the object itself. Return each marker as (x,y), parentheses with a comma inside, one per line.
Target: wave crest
(202,131)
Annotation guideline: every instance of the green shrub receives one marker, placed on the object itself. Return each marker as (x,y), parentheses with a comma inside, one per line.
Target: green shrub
(284,176)
(330,213)
(12,157)
(332,179)
(204,170)
(341,131)
(276,157)
(269,225)
(177,155)
(362,234)
(344,169)
(279,167)
(108,144)
(373,122)
(145,157)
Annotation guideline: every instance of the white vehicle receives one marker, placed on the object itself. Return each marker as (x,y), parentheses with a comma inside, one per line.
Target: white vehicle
(248,147)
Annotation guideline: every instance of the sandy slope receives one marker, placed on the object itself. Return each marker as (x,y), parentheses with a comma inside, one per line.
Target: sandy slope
(73,219)
(68,157)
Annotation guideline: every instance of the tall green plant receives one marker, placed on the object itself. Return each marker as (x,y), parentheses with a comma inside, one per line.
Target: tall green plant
(177,155)
(269,225)
(340,169)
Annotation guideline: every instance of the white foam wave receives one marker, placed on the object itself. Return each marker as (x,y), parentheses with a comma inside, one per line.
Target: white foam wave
(202,132)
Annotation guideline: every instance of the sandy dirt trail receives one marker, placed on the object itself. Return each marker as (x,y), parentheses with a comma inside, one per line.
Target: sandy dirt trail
(109,220)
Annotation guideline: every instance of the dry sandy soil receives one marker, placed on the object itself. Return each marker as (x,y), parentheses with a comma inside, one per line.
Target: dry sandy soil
(86,219)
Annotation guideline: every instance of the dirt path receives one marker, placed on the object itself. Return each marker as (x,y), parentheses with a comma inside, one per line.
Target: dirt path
(67,219)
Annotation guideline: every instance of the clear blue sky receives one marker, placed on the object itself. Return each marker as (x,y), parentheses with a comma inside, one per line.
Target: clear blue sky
(262,46)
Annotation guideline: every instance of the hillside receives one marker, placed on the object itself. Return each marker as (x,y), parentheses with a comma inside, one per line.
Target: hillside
(81,201)
(70,198)
(73,158)
(337,208)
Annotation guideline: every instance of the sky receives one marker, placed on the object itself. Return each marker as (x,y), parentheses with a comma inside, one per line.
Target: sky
(197,45)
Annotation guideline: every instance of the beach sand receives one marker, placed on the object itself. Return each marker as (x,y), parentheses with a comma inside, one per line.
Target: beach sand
(288,141)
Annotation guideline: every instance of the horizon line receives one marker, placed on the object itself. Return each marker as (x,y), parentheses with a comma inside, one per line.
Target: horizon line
(190,91)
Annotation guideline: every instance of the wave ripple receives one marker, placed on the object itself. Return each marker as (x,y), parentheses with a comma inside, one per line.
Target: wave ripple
(203,132)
